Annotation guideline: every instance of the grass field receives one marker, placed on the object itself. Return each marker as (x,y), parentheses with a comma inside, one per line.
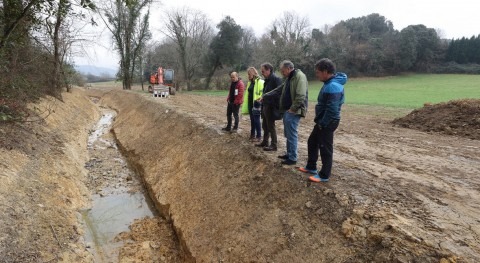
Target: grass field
(410,91)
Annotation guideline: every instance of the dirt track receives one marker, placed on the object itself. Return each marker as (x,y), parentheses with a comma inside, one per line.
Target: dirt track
(396,195)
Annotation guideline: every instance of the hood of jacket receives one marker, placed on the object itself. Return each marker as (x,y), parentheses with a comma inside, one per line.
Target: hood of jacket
(339,77)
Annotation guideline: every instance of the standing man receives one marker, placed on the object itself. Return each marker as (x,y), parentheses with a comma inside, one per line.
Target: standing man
(293,105)
(234,100)
(270,108)
(327,117)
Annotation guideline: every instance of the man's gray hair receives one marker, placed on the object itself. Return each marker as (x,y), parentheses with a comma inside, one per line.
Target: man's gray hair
(287,64)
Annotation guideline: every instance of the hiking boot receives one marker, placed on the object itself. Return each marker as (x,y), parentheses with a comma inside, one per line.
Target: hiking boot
(289,162)
(226,129)
(270,149)
(285,157)
(262,144)
(317,179)
(309,171)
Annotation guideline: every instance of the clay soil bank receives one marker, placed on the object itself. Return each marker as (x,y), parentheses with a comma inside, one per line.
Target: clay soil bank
(396,194)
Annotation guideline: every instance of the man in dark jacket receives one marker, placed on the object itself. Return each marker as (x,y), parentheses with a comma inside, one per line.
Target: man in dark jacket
(293,104)
(234,100)
(270,108)
(327,117)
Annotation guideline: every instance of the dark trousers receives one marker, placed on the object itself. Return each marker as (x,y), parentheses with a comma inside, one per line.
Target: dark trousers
(268,126)
(232,109)
(255,126)
(321,139)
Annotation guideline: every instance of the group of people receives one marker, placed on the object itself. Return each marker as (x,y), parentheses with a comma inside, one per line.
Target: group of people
(272,99)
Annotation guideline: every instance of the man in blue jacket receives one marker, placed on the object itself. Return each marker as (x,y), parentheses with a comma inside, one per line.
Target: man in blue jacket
(327,117)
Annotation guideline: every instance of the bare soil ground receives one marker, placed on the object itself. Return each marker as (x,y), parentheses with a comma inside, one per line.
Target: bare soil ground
(459,117)
(396,194)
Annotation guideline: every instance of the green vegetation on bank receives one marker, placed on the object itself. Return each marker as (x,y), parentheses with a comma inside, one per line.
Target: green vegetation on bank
(409,91)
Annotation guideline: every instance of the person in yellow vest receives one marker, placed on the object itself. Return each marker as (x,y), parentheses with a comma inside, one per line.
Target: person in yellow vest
(251,103)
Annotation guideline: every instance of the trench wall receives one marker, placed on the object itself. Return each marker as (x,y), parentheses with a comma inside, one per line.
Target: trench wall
(226,200)
(42,185)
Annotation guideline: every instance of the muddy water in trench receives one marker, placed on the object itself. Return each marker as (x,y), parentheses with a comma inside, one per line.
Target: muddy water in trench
(118,197)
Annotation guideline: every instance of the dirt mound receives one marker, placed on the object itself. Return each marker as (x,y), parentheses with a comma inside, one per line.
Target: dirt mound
(457,117)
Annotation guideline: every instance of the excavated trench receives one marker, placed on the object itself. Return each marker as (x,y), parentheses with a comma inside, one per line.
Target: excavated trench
(118,198)
(230,202)
(225,200)
(220,198)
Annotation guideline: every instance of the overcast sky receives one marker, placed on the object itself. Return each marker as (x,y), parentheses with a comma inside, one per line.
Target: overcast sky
(454,19)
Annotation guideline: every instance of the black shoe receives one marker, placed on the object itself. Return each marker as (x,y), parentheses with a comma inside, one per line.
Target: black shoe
(262,144)
(226,129)
(285,157)
(270,148)
(289,162)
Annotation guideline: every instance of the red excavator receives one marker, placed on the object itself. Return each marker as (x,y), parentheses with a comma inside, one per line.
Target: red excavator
(162,83)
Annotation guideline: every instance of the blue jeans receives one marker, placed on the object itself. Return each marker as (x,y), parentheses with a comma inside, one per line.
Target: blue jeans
(290,128)
(255,126)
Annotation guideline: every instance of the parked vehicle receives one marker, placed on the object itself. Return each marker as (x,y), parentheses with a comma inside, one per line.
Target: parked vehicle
(162,83)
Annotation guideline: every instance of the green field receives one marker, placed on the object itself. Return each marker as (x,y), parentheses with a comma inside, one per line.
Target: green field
(410,91)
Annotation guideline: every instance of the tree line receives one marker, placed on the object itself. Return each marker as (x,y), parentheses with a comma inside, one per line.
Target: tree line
(464,50)
(363,46)
(38,37)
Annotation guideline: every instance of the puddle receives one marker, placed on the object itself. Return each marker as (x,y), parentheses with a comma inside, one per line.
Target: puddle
(118,196)
(110,216)
(101,128)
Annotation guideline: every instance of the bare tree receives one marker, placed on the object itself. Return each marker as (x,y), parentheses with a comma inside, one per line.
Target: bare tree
(60,18)
(288,37)
(191,31)
(129,27)
(291,27)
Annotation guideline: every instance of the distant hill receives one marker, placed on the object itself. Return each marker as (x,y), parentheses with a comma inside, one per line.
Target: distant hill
(96,71)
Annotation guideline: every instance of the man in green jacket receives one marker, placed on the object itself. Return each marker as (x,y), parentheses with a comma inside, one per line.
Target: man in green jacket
(293,106)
